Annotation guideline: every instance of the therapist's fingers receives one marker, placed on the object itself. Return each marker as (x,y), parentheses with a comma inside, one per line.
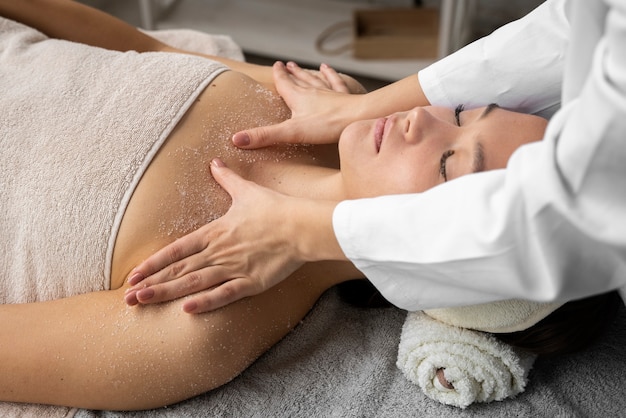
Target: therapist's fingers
(308,78)
(303,127)
(169,265)
(264,136)
(185,274)
(244,252)
(324,79)
(185,254)
(195,281)
(336,82)
(291,131)
(285,132)
(166,261)
(220,296)
(197,261)
(204,297)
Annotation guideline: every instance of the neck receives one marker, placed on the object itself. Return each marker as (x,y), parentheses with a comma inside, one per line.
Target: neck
(313,182)
(297,178)
(303,178)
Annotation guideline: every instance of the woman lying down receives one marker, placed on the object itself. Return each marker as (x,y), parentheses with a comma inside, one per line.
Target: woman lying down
(105,159)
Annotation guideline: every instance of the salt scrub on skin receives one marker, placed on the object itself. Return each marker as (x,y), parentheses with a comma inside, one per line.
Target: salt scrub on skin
(194,192)
(200,190)
(127,325)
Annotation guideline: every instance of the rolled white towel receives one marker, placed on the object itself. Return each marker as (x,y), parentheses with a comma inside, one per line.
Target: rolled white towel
(480,367)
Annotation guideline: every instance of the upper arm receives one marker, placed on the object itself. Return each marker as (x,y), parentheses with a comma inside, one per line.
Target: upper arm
(94,351)
(73,21)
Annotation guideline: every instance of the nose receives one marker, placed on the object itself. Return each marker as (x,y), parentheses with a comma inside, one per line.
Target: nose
(421,125)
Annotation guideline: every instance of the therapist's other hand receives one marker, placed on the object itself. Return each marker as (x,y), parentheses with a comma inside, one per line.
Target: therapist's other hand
(241,254)
(324,79)
(317,102)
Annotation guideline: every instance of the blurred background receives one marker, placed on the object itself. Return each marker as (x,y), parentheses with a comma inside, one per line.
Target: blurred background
(375,41)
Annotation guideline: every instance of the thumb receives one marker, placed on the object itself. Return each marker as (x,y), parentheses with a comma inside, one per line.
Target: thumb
(264,136)
(225,177)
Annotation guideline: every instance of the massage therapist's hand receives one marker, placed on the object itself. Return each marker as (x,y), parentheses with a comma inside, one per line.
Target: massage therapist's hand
(326,78)
(321,107)
(243,253)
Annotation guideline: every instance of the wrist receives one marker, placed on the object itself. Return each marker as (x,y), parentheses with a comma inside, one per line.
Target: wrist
(342,112)
(401,96)
(313,227)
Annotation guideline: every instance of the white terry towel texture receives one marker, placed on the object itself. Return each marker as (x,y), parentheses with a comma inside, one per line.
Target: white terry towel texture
(480,367)
(79,127)
(503,316)
(15,37)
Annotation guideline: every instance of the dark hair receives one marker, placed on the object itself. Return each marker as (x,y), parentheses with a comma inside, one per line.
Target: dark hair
(362,293)
(572,327)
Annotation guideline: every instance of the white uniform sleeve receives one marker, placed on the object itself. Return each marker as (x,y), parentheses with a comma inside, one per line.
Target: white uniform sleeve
(552,226)
(520,66)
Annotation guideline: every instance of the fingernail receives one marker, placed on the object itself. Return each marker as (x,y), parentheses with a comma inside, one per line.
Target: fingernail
(216,162)
(291,64)
(135,278)
(322,65)
(145,294)
(131,298)
(190,306)
(241,139)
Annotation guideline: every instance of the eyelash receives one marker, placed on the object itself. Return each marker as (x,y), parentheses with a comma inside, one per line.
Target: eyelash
(457,114)
(442,164)
(449,153)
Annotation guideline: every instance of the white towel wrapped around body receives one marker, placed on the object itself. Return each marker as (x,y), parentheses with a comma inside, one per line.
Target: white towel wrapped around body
(480,367)
(31,73)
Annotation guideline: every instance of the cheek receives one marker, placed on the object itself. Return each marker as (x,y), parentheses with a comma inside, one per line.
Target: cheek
(354,135)
(379,179)
(412,171)
(404,177)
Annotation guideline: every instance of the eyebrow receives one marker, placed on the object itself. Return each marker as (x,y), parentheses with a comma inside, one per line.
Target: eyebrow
(479,158)
(488,110)
(479,151)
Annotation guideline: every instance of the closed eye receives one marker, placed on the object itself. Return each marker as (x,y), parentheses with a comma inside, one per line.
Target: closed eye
(442,164)
(457,114)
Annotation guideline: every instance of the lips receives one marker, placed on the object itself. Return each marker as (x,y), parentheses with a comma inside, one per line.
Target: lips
(379,131)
